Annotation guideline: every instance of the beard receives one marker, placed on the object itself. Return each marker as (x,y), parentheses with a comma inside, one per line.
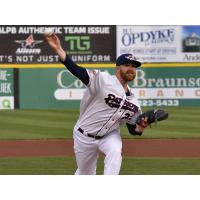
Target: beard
(128,76)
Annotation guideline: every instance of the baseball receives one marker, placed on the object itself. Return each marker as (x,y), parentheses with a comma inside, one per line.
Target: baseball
(48,32)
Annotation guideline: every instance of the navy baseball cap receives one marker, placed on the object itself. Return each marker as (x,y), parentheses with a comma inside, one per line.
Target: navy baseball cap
(127,59)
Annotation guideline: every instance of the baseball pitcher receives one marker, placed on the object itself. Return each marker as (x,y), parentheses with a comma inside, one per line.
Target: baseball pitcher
(108,102)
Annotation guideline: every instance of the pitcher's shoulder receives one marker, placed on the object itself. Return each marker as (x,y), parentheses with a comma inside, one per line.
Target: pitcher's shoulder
(108,78)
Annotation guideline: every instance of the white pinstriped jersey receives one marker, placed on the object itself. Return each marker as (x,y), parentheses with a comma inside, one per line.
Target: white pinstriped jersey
(105,106)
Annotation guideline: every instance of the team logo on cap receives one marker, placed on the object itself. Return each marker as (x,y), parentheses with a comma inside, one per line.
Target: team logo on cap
(130,57)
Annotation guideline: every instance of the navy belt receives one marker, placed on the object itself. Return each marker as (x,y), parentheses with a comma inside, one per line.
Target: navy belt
(89,135)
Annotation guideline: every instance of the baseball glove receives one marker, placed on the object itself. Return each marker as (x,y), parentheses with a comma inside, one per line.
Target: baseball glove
(151,116)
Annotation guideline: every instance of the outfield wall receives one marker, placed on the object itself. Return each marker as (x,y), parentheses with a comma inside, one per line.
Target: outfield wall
(31,75)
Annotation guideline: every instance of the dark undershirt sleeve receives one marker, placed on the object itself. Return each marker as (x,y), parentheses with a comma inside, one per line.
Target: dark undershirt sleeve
(131,129)
(79,72)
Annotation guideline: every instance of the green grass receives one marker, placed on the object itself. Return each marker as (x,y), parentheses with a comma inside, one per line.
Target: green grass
(37,166)
(183,122)
(37,124)
(130,166)
(161,166)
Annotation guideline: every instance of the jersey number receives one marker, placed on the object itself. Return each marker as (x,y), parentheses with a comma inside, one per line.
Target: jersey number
(127,116)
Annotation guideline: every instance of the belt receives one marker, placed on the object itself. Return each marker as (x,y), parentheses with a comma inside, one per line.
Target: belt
(89,135)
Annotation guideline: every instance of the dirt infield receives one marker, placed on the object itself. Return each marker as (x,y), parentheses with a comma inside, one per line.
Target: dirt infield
(131,147)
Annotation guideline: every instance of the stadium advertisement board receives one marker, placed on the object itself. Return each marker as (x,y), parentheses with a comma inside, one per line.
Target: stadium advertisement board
(169,76)
(6,89)
(157,44)
(164,86)
(85,44)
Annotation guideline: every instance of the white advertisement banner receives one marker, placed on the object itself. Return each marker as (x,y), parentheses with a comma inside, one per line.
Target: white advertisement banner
(167,93)
(140,93)
(69,94)
(160,43)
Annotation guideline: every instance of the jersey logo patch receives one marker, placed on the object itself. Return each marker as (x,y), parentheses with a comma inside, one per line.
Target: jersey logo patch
(114,102)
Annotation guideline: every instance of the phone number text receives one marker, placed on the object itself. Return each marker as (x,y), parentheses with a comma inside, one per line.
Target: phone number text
(159,102)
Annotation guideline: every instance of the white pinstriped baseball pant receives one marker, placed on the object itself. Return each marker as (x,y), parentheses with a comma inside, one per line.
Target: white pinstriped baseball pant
(87,151)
